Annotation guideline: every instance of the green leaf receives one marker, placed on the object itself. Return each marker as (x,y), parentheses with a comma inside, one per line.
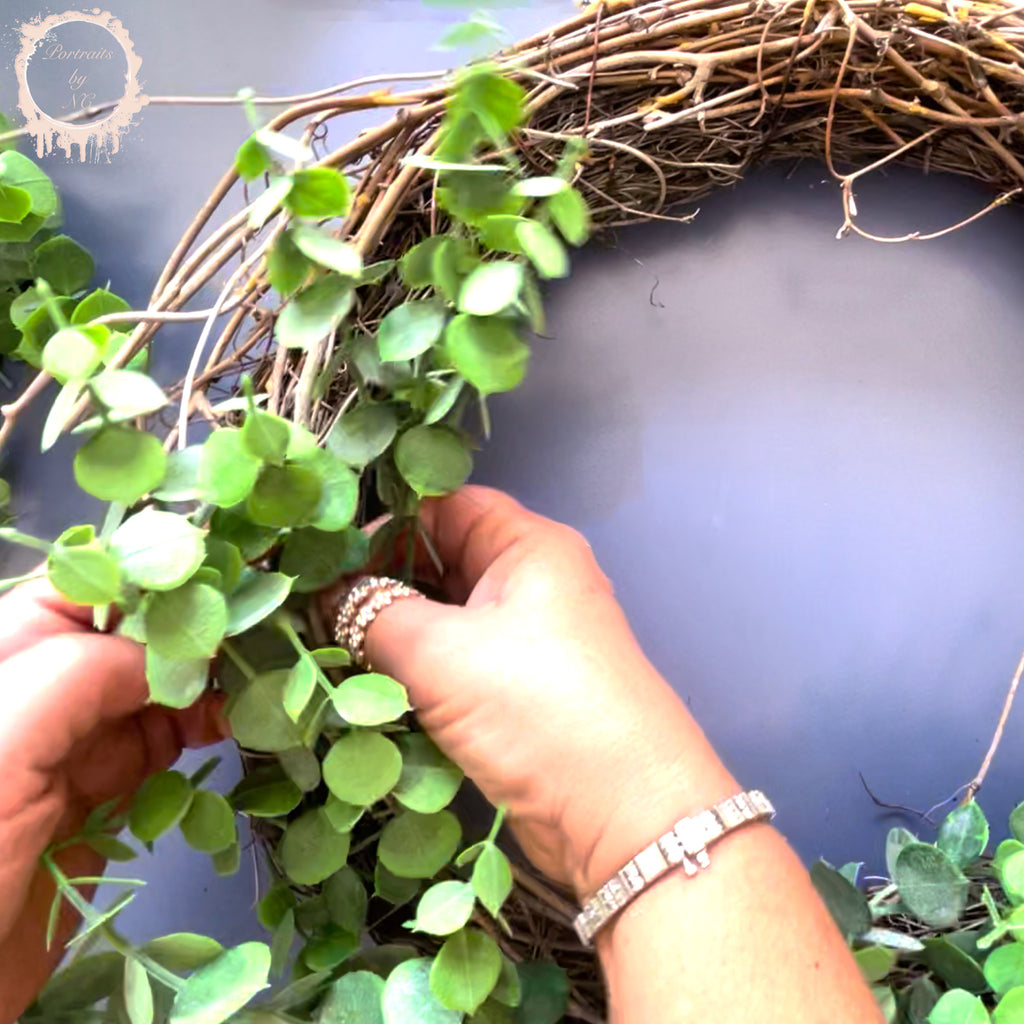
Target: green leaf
(537,188)
(315,558)
(223,556)
(181,480)
(1011,876)
(429,781)
(1017,822)
(492,878)
(226,862)
(417,264)
(70,355)
(223,986)
(499,232)
(81,983)
(209,825)
(96,304)
(354,998)
(418,845)
(318,192)
(545,993)
(173,682)
(930,884)
(327,250)
(329,948)
(346,900)
(64,264)
(408,998)
(486,91)
(257,715)
(444,402)
(277,902)
(284,496)
(266,437)
(126,393)
(433,460)
(110,848)
(465,970)
(183,951)
(959,1007)
(1011,1007)
(186,623)
(281,944)
(265,792)
(299,688)
(363,433)
(287,268)
(488,353)
(1004,851)
(227,470)
(410,330)
(254,599)
(315,313)
(1004,968)
(269,200)
(963,834)
(508,990)
(157,550)
(341,815)
(847,904)
(376,272)
(444,908)
(311,850)
(397,891)
(895,841)
(15,204)
(362,767)
(339,490)
(874,962)
(371,699)
(120,464)
(28,228)
(18,170)
(138,995)
(544,249)
(569,211)
(84,575)
(954,966)
(284,145)
(491,288)
(161,802)
(252,159)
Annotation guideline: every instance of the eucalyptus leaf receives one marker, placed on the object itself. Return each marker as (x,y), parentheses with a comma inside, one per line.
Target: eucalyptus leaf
(183,951)
(492,878)
(15,204)
(874,962)
(418,845)
(60,412)
(287,267)
(315,312)
(545,993)
(491,288)
(540,187)
(543,248)
(346,900)
(410,330)
(160,803)
(126,393)
(1004,967)
(569,211)
(1010,1009)
(265,792)
(266,437)
(252,159)
(63,263)
(339,495)
(158,550)
(341,815)
(444,908)
(429,781)
(930,884)
(1017,822)
(174,682)
(284,496)
(82,983)
(408,998)
(954,966)
(466,970)
(363,433)
(433,460)
(84,575)
(417,264)
(301,765)
(894,842)
(362,767)
(371,699)
(227,469)
(18,170)
(223,986)
(181,481)
(267,202)
(138,995)
(209,824)
(186,623)
(254,599)
(311,850)
(98,303)
(327,250)
(71,355)
(318,192)
(355,998)
(963,834)
(120,463)
(397,891)
(959,1007)
(847,904)
(300,687)
(257,716)
(486,352)
(281,944)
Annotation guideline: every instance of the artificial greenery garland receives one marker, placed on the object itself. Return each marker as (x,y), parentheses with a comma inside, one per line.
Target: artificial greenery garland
(363,325)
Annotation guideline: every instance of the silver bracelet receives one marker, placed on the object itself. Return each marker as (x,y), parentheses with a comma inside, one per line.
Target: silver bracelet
(684,846)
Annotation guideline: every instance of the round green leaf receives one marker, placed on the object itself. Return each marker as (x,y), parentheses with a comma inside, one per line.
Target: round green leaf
(284,496)
(183,951)
(894,842)
(255,598)
(186,623)
(266,437)
(418,845)
(257,716)
(1011,1007)
(252,159)
(127,393)
(209,825)
(15,204)
(340,490)
(444,908)
(323,248)
(1011,875)
(318,192)
(223,986)
(266,793)
(315,313)
(371,699)
(492,878)
(954,966)
(84,575)
(161,802)
(410,330)
(64,264)
(488,353)
(362,434)
(227,469)
(138,995)
(181,481)
(287,268)
(846,903)
(1004,851)
(96,304)
(1004,968)
(569,211)
(490,288)
(120,464)
(544,248)
(416,265)
(70,354)
(963,834)
(158,550)
(429,781)
(346,900)
(540,187)
(1017,822)
(397,891)
(465,970)
(544,995)
(300,687)
(176,683)
(433,460)
(354,999)
(930,884)
(362,767)
(18,170)
(341,815)
(311,850)
(408,997)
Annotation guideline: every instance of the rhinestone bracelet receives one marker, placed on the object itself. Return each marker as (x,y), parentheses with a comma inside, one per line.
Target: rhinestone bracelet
(684,846)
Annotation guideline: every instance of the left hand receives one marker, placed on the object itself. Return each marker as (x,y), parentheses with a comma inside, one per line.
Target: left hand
(75,732)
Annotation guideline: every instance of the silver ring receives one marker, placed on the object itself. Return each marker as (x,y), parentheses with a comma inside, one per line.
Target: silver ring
(365,600)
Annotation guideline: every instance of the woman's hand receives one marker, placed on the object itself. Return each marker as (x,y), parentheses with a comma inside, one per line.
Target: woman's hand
(534,684)
(75,732)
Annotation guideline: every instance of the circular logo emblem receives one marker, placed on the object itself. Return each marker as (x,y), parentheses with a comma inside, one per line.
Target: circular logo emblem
(78,83)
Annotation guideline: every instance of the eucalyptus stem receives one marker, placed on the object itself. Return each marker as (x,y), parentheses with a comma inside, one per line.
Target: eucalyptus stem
(239,662)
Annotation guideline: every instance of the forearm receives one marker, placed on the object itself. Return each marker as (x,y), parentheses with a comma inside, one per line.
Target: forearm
(746,939)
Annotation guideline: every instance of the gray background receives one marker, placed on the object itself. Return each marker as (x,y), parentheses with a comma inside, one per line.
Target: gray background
(799,460)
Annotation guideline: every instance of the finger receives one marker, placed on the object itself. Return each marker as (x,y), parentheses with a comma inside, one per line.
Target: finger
(35,610)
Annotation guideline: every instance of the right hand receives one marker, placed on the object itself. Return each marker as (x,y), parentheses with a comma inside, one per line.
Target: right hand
(533,683)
